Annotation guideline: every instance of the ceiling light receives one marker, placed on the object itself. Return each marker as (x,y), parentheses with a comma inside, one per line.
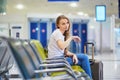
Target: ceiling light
(80,13)
(2,10)
(3,13)
(73,5)
(59,13)
(20,6)
(86,15)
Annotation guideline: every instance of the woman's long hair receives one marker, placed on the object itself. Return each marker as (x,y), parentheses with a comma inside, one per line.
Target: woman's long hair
(67,32)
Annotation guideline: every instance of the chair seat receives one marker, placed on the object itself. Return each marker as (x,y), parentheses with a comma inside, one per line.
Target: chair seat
(77,68)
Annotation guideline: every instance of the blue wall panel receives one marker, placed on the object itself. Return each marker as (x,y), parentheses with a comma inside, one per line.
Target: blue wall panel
(75,32)
(43,33)
(83,36)
(33,31)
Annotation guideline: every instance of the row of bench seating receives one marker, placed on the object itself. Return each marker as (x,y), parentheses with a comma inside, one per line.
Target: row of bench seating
(6,60)
(33,64)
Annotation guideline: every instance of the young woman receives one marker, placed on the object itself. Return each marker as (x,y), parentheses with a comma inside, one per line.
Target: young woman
(60,40)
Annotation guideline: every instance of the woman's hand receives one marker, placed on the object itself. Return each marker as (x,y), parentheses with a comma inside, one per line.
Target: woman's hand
(75,59)
(76,38)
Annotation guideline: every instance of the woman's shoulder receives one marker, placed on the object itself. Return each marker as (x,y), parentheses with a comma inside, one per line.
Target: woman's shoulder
(56,31)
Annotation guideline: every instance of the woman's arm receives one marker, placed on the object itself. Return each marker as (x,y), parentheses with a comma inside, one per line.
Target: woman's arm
(63,44)
(70,54)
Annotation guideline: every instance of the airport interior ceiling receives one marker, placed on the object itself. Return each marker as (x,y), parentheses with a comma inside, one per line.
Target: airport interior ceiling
(86,7)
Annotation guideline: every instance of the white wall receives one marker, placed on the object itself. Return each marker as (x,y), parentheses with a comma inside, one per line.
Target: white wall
(94,33)
(16,19)
(4,29)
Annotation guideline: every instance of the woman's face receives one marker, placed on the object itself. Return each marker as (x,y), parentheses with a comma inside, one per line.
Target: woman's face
(63,25)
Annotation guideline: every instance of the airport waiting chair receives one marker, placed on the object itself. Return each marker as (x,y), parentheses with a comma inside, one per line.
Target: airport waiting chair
(65,64)
(77,69)
(52,64)
(27,67)
(43,54)
(6,60)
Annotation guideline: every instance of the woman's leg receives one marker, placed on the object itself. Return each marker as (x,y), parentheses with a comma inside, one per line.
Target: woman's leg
(83,61)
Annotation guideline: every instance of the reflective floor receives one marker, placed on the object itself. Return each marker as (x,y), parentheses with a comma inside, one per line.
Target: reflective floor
(111,64)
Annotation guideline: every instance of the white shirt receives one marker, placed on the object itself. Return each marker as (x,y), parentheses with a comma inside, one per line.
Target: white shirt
(53,49)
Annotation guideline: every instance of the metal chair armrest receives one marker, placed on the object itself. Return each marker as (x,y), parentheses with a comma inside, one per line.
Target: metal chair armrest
(56,70)
(55,61)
